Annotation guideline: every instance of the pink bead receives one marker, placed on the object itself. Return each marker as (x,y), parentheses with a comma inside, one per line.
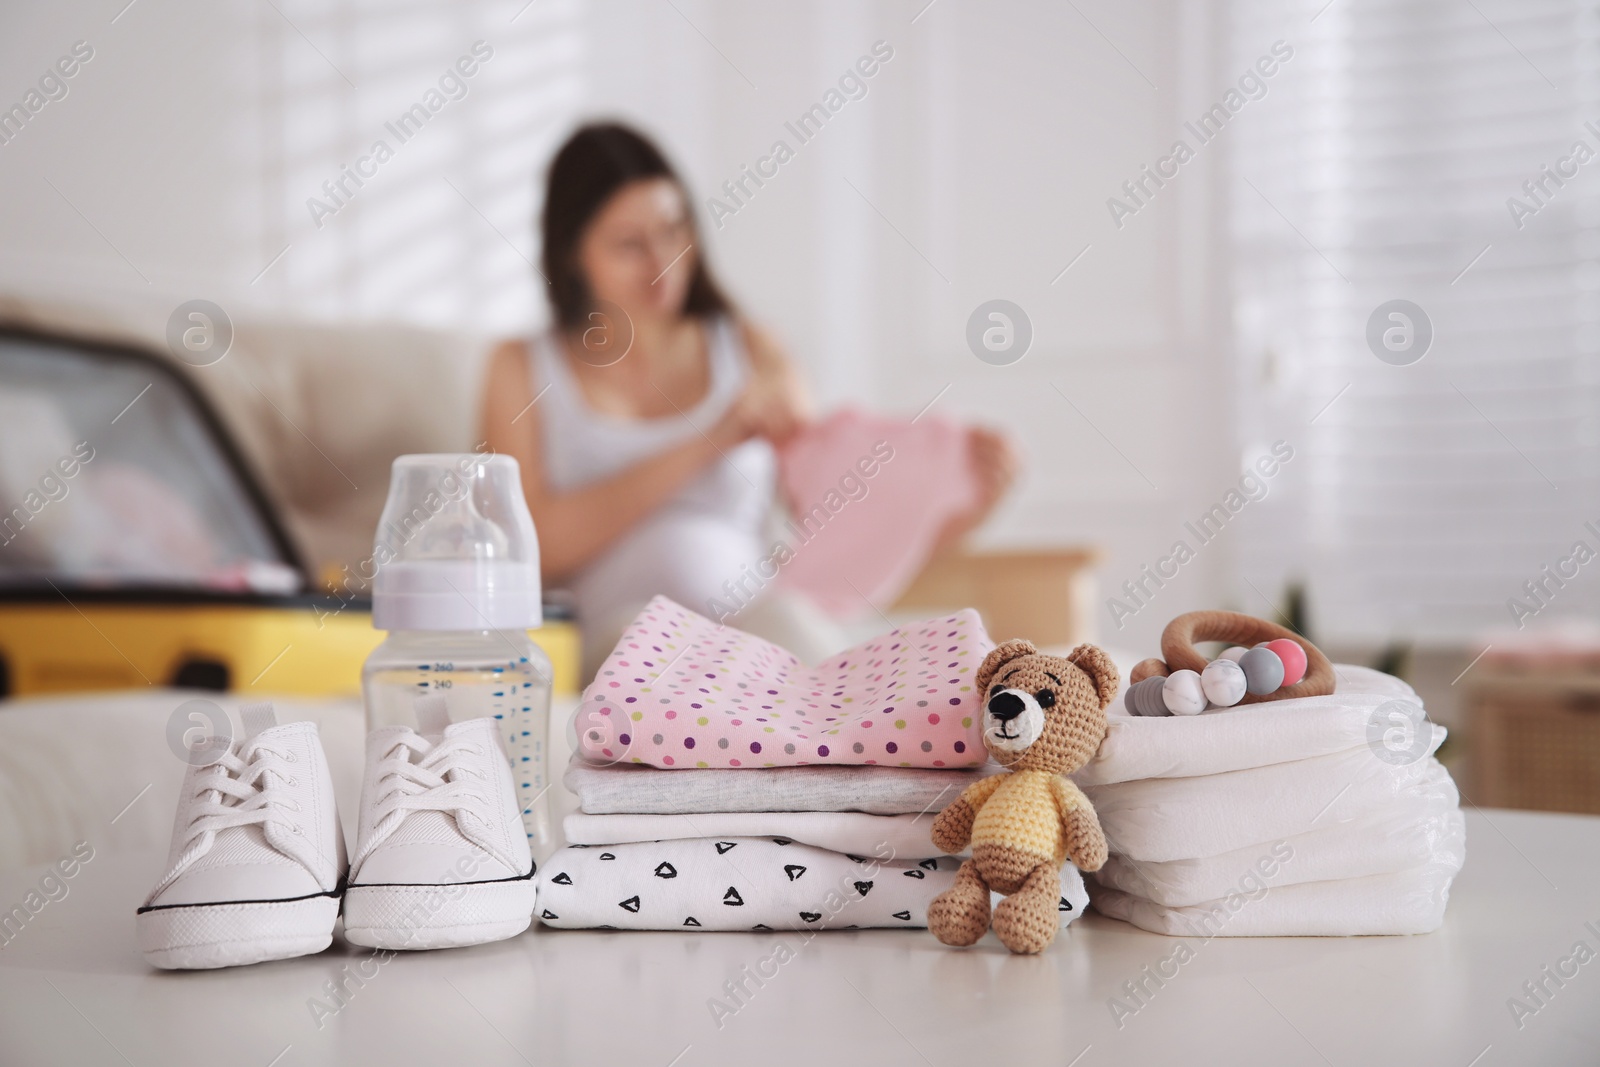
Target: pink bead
(1294,659)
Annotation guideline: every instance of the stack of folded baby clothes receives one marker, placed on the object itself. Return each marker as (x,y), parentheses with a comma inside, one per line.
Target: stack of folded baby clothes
(1310,816)
(724,785)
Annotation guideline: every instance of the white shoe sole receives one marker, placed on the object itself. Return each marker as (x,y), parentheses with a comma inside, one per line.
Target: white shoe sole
(204,936)
(437,916)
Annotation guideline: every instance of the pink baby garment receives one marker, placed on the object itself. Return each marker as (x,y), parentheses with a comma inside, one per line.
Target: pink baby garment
(681,691)
(867,497)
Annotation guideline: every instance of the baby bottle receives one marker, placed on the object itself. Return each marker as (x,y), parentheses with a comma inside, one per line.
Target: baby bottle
(457,589)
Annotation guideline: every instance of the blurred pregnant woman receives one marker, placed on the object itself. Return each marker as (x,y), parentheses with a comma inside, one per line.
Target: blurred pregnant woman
(645,419)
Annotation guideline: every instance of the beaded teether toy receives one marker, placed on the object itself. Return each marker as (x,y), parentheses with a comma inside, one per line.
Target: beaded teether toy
(1269,663)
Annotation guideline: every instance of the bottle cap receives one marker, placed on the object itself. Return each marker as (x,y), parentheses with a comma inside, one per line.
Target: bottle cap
(456,547)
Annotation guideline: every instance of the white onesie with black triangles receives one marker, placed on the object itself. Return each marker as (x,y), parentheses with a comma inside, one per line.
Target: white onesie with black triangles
(746,883)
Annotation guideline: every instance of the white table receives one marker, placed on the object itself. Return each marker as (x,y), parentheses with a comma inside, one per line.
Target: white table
(73,989)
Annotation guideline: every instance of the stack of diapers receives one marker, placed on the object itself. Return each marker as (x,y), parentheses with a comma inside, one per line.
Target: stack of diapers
(723,785)
(1313,816)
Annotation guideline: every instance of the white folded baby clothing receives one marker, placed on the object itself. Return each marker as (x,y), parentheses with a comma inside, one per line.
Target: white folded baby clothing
(756,848)
(889,836)
(747,883)
(640,790)
(1230,739)
(1414,831)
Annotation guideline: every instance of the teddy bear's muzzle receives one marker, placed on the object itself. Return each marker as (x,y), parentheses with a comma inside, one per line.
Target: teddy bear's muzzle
(1006,706)
(1012,720)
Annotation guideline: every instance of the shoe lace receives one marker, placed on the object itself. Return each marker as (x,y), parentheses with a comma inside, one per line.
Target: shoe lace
(245,786)
(441,778)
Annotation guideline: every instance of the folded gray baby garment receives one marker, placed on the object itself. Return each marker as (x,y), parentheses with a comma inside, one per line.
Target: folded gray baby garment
(854,832)
(637,789)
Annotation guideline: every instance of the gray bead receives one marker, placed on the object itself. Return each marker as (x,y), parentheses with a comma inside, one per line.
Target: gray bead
(1134,701)
(1145,697)
(1263,671)
(1155,701)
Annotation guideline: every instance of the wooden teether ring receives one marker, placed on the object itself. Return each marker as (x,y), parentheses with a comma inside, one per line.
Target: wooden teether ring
(1177,645)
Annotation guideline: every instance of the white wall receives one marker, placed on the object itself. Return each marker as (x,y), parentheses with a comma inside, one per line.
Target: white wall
(983,152)
(195,136)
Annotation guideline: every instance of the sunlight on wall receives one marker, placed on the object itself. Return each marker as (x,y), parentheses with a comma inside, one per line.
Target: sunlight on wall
(440,229)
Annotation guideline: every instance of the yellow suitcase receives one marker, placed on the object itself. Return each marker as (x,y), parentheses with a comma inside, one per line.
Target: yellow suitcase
(137,548)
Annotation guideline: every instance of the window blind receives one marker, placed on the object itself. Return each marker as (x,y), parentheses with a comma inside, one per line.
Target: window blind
(1388,162)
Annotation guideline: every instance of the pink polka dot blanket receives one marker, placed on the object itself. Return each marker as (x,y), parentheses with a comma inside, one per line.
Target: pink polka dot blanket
(680,690)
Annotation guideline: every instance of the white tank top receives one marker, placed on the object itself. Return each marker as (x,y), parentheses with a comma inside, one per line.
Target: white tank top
(698,540)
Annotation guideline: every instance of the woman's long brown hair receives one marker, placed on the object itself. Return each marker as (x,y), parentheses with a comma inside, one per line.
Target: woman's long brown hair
(591,167)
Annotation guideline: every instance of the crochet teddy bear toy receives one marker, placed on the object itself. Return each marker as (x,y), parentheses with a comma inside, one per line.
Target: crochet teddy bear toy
(1043,717)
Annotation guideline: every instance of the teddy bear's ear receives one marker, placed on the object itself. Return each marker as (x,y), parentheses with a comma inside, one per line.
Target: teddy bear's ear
(1002,654)
(1098,666)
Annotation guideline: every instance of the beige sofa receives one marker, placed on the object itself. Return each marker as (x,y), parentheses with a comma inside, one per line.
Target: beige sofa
(319,410)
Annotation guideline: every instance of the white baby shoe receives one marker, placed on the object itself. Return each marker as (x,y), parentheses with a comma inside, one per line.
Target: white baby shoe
(441,856)
(258,859)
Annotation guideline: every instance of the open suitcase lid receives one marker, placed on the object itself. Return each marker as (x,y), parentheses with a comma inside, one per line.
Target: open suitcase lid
(117,480)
